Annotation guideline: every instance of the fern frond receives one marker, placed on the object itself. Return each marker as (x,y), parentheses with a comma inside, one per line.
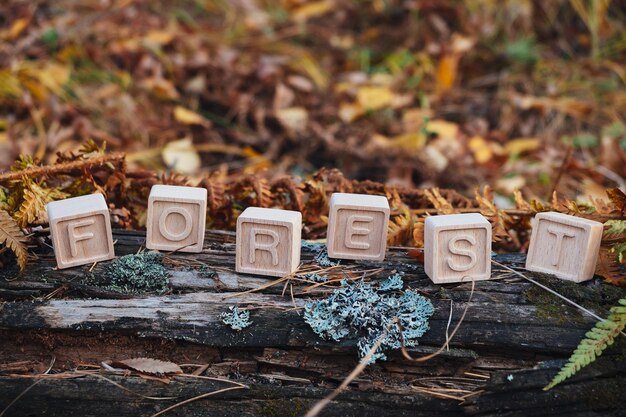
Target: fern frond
(400,228)
(11,236)
(33,208)
(596,340)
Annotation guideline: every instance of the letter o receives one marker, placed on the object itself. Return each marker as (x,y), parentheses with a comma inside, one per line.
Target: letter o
(175,237)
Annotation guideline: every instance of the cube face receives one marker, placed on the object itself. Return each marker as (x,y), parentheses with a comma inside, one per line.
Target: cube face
(81,231)
(268,241)
(176,218)
(357,227)
(457,248)
(565,246)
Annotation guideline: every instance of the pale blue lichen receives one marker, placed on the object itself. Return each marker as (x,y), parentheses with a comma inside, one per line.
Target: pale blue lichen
(315,277)
(364,312)
(393,282)
(236,318)
(321,254)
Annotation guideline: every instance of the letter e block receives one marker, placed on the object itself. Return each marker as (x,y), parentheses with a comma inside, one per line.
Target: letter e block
(357,226)
(80,229)
(176,218)
(565,246)
(457,248)
(268,241)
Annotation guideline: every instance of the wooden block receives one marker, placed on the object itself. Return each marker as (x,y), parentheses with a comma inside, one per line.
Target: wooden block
(457,248)
(357,226)
(268,241)
(176,218)
(80,229)
(565,246)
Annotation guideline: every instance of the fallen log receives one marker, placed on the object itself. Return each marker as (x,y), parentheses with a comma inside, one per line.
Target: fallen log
(514,338)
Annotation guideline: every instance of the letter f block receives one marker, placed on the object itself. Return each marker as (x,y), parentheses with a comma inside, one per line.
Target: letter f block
(268,241)
(357,226)
(80,229)
(457,248)
(565,246)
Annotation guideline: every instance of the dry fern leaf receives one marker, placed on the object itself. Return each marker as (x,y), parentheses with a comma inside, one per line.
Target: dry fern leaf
(609,268)
(400,229)
(11,236)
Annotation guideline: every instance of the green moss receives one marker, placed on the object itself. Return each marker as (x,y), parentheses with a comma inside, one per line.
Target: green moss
(598,297)
(133,274)
(280,408)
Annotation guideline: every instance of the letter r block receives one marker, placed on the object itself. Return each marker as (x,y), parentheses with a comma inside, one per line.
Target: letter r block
(80,229)
(565,246)
(457,248)
(176,218)
(268,241)
(357,226)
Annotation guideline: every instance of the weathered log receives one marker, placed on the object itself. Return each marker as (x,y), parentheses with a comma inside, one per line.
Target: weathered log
(513,340)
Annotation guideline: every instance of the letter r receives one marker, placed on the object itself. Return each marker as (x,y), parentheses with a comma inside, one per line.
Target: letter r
(269,247)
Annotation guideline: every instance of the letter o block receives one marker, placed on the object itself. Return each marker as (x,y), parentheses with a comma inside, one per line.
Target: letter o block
(357,226)
(80,229)
(565,246)
(176,218)
(457,248)
(268,241)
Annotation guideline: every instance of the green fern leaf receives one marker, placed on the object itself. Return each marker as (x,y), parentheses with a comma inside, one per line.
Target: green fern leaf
(596,340)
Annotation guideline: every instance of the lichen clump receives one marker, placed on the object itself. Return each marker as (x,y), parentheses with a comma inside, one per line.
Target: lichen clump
(364,312)
(236,318)
(136,274)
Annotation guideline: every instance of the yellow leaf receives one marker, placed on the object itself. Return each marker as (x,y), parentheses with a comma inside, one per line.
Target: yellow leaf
(310,10)
(54,77)
(16,28)
(481,149)
(161,88)
(520,145)
(443,129)
(408,141)
(181,156)
(9,85)
(349,112)
(294,118)
(373,98)
(159,37)
(189,117)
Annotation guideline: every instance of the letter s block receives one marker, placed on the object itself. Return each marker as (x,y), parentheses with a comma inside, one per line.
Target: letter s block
(268,241)
(80,229)
(357,226)
(176,218)
(565,246)
(457,248)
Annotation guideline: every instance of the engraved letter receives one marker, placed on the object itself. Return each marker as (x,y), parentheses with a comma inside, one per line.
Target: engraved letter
(560,235)
(270,247)
(351,230)
(175,237)
(462,252)
(74,238)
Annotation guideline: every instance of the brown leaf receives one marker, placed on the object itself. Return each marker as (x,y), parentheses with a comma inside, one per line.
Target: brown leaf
(149,366)
(618,198)
(608,268)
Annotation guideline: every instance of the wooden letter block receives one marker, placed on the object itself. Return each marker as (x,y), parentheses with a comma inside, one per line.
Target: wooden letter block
(357,226)
(80,229)
(268,241)
(176,218)
(565,246)
(457,248)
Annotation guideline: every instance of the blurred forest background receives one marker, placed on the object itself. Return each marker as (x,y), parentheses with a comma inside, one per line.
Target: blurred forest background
(522,95)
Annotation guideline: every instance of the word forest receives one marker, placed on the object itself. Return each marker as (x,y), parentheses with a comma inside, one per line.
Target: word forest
(457,247)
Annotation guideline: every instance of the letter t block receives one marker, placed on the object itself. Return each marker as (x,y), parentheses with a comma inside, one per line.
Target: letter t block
(80,229)
(176,218)
(268,241)
(457,248)
(565,246)
(357,226)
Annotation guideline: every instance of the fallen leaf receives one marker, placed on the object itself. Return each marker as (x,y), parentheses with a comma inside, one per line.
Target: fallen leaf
(409,141)
(149,366)
(294,118)
(181,156)
(16,28)
(310,10)
(189,117)
(161,88)
(481,149)
(349,112)
(618,198)
(374,97)
(521,145)
(443,129)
